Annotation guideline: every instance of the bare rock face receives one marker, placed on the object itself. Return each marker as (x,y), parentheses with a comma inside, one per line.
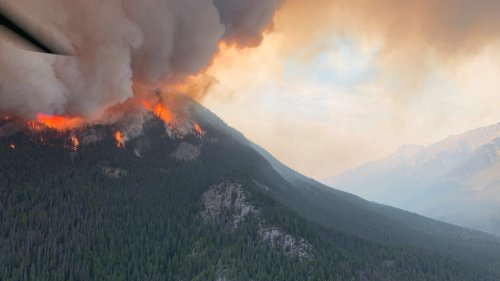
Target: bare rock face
(226,196)
(221,278)
(113,172)
(222,273)
(292,246)
(228,203)
(187,152)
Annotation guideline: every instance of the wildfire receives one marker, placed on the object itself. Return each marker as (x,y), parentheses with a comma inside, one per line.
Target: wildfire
(12,146)
(162,112)
(34,126)
(59,122)
(120,140)
(198,129)
(147,105)
(75,143)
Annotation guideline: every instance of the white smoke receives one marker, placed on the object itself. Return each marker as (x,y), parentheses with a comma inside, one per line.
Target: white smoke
(116,41)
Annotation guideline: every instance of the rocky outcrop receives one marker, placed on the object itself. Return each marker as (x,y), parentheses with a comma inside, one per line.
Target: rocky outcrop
(187,152)
(222,272)
(113,172)
(227,203)
(226,196)
(292,246)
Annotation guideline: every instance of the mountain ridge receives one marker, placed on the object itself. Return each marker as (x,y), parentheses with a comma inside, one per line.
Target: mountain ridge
(229,212)
(450,170)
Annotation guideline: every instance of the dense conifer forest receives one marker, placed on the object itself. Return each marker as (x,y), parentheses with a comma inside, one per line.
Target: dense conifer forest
(135,213)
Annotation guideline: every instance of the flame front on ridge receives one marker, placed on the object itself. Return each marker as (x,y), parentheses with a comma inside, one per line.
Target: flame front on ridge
(161,111)
(59,122)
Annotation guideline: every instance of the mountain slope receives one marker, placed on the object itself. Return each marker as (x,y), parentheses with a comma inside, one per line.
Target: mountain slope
(456,180)
(211,208)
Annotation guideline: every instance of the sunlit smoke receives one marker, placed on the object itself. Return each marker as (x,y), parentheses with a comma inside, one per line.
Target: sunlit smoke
(116,44)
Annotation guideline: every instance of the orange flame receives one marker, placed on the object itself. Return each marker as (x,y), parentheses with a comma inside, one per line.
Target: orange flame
(161,111)
(59,122)
(120,140)
(75,143)
(34,126)
(198,129)
(12,146)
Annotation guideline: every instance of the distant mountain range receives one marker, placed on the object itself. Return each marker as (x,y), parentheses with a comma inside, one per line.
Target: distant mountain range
(456,180)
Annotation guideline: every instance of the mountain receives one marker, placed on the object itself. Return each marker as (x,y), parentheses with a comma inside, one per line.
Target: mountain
(456,180)
(211,207)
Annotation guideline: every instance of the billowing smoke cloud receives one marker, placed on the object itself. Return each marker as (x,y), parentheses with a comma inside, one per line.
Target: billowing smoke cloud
(426,69)
(117,42)
(449,28)
(245,20)
(410,38)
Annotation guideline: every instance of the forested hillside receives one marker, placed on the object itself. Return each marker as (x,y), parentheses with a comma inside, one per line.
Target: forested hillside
(201,208)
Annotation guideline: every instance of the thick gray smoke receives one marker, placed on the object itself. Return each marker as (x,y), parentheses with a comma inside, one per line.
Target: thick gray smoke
(116,41)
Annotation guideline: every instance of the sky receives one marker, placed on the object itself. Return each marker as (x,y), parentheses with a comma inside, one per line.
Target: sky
(331,88)
(324,85)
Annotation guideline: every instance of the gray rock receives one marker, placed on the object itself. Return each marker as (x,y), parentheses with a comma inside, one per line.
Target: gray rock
(187,152)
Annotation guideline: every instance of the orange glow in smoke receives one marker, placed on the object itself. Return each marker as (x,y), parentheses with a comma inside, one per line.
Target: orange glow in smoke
(147,105)
(59,122)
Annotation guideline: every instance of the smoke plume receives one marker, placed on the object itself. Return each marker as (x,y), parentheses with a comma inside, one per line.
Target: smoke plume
(448,29)
(117,43)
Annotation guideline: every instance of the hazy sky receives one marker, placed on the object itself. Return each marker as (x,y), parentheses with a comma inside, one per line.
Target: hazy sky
(339,83)
(334,83)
